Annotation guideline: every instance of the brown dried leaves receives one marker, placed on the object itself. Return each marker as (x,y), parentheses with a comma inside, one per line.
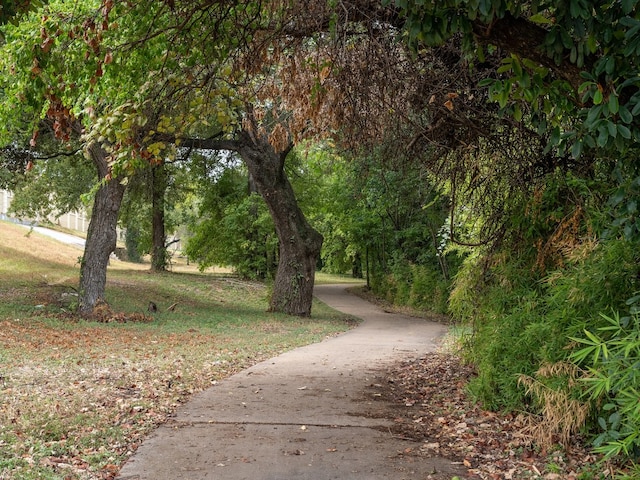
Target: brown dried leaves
(431,405)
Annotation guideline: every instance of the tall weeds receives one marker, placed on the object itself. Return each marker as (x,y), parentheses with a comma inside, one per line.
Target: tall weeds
(562,413)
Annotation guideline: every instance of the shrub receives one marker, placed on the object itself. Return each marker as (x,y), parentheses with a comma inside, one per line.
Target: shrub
(429,290)
(610,355)
(502,348)
(417,286)
(465,297)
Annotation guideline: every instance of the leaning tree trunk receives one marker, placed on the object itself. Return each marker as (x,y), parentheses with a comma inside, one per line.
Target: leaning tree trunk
(101,236)
(158,189)
(299,243)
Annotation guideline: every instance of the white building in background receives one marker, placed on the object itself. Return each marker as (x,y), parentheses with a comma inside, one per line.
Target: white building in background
(5,201)
(73,221)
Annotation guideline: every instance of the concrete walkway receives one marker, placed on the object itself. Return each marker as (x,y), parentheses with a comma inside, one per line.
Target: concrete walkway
(307,414)
(60,236)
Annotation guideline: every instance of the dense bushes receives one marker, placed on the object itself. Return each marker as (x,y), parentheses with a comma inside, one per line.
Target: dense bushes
(553,328)
(499,296)
(522,320)
(530,315)
(418,286)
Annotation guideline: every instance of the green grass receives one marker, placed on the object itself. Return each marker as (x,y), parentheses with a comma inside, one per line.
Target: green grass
(77,397)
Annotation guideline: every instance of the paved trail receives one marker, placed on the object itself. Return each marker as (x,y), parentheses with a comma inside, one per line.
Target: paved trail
(60,236)
(306,414)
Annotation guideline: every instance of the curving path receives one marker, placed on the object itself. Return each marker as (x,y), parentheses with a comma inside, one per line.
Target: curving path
(305,414)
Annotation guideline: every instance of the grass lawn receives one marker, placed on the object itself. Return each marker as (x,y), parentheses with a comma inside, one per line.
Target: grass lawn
(78,397)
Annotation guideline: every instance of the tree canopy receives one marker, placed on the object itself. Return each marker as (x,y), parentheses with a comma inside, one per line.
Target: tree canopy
(11,9)
(571,67)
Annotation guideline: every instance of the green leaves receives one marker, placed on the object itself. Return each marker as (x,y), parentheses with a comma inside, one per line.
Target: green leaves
(596,349)
(10,10)
(628,5)
(613,379)
(623,205)
(603,43)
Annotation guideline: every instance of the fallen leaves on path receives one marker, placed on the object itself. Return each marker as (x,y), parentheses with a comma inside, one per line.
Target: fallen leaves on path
(430,405)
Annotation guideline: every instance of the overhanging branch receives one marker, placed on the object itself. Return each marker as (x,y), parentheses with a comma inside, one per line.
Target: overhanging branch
(208,143)
(70,153)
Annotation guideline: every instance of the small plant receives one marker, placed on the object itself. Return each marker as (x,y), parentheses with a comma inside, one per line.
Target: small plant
(611,357)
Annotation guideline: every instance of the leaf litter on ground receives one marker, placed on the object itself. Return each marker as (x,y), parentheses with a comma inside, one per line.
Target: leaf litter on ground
(430,404)
(78,397)
(87,397)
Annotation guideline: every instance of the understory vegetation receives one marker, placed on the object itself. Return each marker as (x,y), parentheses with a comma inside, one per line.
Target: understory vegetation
(548,303)
(551,314)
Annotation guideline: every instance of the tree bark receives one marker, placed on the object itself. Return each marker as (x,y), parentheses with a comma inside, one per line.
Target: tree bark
(159,247)
(101,236)
(299,243)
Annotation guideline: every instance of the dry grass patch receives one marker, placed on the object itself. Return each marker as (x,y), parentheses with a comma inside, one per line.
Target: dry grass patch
(19,244)
(76,402)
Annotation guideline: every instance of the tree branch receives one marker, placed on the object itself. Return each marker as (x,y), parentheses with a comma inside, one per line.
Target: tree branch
(57,154)
(30,154)
(208,143)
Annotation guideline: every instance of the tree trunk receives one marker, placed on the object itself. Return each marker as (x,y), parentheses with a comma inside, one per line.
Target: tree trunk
(159,247)
(299,243)
(101,236)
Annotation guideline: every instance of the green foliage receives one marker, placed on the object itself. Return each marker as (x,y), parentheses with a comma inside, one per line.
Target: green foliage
(466,297)
(10,10)
(71,62)
(511,333)
(136,210)
(545,282)
(624,202)
(322,183)
(378,213)
(610,355)
(602,42)
(522,321)
(136,216)
(38,71)
(417,286)
(599,278)
(249,242)
(52,187)
(386,213)
(132,243)
(234,229)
